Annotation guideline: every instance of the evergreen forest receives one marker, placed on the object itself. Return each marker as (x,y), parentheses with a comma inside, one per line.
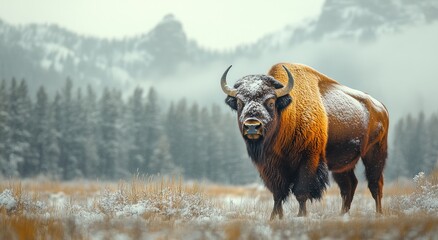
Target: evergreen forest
(84,133)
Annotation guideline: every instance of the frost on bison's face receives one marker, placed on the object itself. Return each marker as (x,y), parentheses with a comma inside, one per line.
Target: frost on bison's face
(258,100)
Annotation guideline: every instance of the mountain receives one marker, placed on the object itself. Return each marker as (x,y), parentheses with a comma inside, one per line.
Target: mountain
(48,54)
(355,20)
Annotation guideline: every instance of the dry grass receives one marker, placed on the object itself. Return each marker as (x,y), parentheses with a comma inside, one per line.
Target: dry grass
(412,227)
(179,210)
(23,227)
(433,177)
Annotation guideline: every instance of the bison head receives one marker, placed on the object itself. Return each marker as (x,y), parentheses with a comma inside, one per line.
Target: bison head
(258,100)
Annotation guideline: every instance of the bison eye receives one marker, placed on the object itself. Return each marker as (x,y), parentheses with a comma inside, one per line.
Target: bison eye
(239,104)
(270,104)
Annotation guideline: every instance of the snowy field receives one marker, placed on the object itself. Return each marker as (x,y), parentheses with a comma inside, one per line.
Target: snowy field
(173,209)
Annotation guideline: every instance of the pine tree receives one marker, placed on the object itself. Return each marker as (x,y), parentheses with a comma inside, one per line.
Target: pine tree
(161,159)
(171,128)
(123,163)
(236,163)
(431,156)
(193,163)
(40,131)
(109,124)
(203,163)
(69,161)
(136,131)
(176,122)
(217,149)
(407,146)
(90,162)
(78,139)
(398,155)
(4,130)
(25,113)
(153,127)
(419,139)
(18,149)
(414,147)
(53,161)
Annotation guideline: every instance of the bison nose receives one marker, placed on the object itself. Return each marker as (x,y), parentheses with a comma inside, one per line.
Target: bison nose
(252,126)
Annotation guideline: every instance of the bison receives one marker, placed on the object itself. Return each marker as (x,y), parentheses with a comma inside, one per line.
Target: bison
(298,123)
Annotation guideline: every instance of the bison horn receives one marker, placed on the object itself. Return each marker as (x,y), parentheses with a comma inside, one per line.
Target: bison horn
(290,84)
(227,90)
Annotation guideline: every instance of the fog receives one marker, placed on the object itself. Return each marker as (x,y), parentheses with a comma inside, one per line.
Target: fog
(395,66)
(399,69)
(117,19)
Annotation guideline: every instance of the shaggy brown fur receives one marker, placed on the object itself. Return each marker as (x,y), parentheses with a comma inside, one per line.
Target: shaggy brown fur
(303,131)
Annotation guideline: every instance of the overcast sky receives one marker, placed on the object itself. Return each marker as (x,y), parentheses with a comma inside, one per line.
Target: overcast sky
(214,24)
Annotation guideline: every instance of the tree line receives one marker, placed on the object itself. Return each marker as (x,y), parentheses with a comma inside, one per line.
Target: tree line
(78,133)
(414,147)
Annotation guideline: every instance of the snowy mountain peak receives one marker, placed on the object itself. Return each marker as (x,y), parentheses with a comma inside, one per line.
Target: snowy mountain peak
(169,18)
(366,19)
(47,53)
(168,32)
(355,20)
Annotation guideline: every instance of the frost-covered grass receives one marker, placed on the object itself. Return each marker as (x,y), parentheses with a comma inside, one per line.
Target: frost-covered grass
(173,209)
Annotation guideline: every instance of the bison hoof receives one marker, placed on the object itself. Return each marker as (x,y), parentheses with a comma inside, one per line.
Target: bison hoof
(302,214)
(274,214)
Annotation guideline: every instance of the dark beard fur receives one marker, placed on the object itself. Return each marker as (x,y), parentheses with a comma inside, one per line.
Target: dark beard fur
(255,149)
(317,183)
(321,181)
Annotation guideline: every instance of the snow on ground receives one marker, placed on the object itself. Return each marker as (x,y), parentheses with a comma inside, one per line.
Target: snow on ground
(424,199)
(175,213)
(7,200)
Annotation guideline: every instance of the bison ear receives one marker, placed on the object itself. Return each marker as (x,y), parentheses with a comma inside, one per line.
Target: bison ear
(283,102)
(277,84)
(232,102)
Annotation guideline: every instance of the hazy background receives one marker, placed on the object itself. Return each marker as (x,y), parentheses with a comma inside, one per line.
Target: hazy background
(214,24)
(181,48)
(387,49)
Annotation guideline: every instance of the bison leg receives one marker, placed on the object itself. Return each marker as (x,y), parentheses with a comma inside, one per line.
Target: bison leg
(278,209)
(278,185)
(347,182)
(311,181)
(301,192)
(374,162)
(302,199)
